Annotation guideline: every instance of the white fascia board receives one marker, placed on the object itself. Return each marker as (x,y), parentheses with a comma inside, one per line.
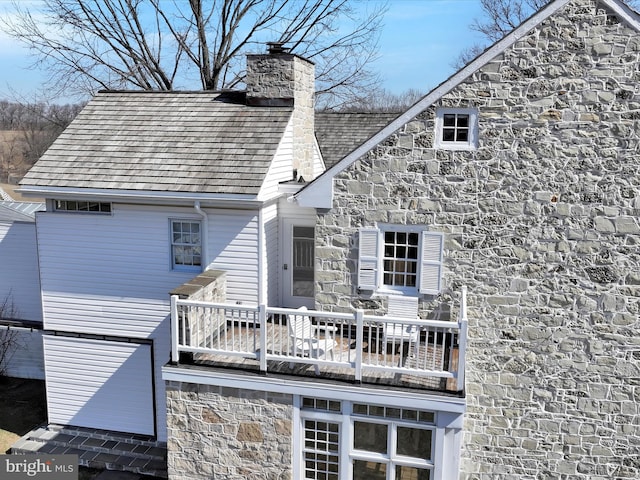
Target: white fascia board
(318,194)
(316,388)
(146,197)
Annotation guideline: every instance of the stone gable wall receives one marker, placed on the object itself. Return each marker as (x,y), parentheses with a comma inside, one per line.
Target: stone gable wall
(227,434)
(541,224)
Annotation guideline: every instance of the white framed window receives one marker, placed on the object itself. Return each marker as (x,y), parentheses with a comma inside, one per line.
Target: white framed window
(456,128)
(363,441)
(186,245)
(75,206)
(400,259)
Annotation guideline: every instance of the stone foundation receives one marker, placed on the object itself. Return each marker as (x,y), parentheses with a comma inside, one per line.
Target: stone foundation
(227,433)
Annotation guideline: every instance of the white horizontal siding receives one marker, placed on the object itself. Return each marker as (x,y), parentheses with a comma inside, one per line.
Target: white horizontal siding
(26,359)
(19,279)
(108,274)
(99,384)
(271,259)
(111,274)
(281,168)
(233,248)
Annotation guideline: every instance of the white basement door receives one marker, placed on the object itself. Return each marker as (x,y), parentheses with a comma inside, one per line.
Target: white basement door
(99,384)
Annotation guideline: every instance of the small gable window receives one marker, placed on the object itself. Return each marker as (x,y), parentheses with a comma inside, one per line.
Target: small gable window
(186,245)
(400,259)
(81,206)
(456,128)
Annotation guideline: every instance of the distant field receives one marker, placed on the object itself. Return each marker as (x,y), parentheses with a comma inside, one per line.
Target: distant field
(11,190)
(12,146)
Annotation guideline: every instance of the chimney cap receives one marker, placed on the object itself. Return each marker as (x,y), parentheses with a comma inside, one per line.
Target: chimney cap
(277,47)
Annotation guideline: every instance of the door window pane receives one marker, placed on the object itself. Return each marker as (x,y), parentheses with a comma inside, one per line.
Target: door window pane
(364,470)
(412,473)
(371,437)
(414,442)
(303,260)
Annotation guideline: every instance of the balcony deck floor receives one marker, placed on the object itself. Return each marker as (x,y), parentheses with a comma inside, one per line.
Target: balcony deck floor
(428,356)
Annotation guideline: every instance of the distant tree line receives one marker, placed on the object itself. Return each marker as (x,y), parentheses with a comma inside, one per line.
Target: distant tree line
(27,130)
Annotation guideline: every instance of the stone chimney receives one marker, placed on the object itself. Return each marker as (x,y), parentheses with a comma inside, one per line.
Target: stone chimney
(280,78)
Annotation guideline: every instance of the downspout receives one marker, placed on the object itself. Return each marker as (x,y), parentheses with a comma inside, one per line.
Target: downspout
(204,234)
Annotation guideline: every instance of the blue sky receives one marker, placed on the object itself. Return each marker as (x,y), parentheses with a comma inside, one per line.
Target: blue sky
(419,42)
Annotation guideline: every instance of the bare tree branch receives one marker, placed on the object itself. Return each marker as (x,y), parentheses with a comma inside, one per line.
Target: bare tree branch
(162,45)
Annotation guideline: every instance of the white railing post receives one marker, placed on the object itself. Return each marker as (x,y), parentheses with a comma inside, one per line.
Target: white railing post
(175,355)
(462,339)
(359,343)
(262,317)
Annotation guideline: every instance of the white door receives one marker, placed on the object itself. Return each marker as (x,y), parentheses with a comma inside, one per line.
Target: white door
(99,384)
(298,264)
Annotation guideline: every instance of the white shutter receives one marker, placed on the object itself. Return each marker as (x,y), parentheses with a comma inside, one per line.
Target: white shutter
(368,258)
(431,263)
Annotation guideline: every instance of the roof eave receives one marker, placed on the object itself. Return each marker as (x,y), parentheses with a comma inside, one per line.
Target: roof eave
(142,196)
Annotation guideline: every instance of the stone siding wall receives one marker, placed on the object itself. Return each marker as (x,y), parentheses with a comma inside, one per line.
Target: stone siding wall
(541,223)
(209,286)
(227,434)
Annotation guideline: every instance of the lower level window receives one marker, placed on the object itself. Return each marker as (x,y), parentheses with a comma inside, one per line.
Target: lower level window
(385,443)
(186,245)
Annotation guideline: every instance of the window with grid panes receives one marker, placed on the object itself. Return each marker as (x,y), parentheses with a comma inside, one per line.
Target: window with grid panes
(186,245)
(321,451)
(400,261)
(456,128)
(386,443)
(81,206)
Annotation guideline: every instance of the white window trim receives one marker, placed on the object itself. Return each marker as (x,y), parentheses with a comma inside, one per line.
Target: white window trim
(471,143)
(185,268)
(370,267)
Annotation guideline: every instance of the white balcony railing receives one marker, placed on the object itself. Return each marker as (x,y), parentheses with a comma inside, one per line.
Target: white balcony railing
(360,343)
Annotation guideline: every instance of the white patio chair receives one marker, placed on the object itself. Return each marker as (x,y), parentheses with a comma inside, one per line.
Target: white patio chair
(304,339)
(400,333)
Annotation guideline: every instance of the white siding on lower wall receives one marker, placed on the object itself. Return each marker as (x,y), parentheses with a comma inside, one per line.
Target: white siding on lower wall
(99,384)
(26,359)
(19,279)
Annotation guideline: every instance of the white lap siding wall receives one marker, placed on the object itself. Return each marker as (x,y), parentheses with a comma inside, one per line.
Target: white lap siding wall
(110,275)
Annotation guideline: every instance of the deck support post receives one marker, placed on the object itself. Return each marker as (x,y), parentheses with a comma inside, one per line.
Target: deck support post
(262,318)
(175,354)
(359,344)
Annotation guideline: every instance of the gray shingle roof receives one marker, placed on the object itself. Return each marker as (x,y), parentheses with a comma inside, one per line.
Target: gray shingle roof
(338,133)
(195,142)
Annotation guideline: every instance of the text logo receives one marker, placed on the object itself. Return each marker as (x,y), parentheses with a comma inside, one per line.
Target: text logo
(49,467)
